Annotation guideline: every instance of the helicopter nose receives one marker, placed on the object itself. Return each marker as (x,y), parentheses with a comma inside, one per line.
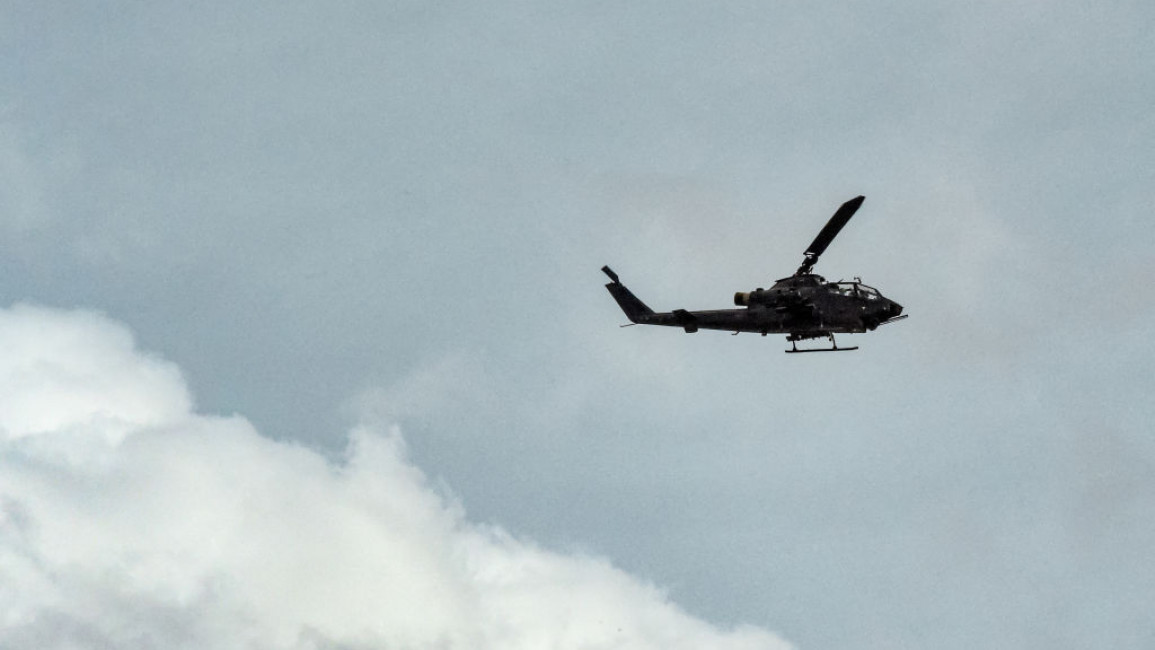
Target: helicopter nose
(895,309)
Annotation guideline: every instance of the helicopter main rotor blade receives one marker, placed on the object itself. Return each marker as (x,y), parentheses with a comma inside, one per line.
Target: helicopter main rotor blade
(829,232)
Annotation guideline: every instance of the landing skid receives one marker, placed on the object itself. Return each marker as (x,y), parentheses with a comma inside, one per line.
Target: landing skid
(797,351)
(834,347)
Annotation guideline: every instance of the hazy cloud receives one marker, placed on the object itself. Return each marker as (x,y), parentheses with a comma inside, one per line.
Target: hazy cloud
(128,520)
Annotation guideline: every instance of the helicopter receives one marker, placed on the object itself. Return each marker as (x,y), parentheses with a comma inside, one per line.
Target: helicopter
(802,306)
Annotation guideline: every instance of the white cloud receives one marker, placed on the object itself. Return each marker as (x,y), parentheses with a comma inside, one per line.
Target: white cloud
(77,373)
(129,521)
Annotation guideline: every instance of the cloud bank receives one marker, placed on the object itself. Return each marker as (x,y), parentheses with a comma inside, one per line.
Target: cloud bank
(127,520)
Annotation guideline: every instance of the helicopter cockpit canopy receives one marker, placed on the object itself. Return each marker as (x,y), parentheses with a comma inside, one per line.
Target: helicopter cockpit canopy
(855,289)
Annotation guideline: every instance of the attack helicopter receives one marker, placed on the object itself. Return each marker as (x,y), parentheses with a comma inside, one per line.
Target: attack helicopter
(802,306)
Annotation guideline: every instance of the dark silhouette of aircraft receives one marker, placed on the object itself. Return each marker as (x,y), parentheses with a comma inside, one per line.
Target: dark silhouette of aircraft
(802,306)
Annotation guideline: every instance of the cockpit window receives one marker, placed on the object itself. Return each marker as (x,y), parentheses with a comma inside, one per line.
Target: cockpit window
(843,288)
(855,289)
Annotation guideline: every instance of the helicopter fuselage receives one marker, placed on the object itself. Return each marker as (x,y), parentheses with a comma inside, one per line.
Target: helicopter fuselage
(803,306)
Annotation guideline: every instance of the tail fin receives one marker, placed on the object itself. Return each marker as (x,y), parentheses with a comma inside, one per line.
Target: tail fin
(634,308)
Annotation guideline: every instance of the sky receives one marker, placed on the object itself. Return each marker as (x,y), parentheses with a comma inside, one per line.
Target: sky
(304,344)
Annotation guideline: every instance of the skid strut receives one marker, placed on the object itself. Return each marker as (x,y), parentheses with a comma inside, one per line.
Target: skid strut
(833,345)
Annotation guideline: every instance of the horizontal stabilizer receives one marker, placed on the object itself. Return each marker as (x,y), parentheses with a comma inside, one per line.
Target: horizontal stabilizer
(688,321)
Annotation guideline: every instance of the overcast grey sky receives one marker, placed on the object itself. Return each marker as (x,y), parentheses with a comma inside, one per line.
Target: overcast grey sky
(336,217)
